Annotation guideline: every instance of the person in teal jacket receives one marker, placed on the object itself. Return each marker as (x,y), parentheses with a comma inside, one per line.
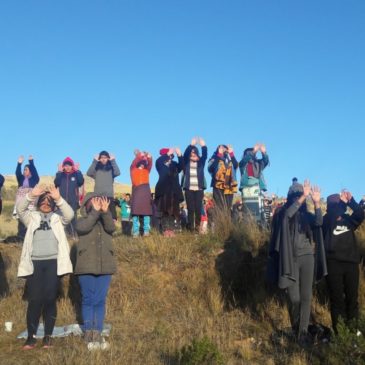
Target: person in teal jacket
(251,167)
(125,214)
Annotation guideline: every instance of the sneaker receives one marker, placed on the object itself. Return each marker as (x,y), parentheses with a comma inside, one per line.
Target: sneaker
(30,343)
(146,234)
(93,346)
(104,345)
(88,336)
(47,342)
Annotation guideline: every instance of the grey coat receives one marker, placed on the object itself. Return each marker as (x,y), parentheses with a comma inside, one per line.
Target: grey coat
(104,179)
(95,253)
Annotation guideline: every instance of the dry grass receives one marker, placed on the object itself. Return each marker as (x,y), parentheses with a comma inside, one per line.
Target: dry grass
(168,291)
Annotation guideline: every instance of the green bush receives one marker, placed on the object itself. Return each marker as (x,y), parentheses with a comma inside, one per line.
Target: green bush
(347,347)
(200,352)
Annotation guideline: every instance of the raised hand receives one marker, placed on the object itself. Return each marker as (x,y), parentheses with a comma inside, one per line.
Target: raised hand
(316,195)
(201,142)
(77,166)
(306,188)
(104,204)
(21,159)
(256,147)
(171,151)
(263,148)
(95,202)
(38,190)
(60,167)
(193,141)
(96,157)
(343,196)
(349,195)
(178,151)
(230,148)
(112,157)
(30,158)
(54,193)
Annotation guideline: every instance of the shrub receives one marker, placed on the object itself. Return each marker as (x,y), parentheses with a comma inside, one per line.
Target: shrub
(200,352)
(347,347)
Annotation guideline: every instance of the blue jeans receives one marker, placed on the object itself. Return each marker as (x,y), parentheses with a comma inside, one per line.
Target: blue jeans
(146,224)
(94,289)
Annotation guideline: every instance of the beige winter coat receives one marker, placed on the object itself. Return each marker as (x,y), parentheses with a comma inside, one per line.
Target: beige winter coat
(31,220)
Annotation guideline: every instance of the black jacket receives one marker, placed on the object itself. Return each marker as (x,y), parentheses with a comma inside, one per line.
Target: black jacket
(339,233)
(168,181)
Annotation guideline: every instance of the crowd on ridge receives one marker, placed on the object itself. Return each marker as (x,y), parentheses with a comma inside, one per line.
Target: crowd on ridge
(304,246)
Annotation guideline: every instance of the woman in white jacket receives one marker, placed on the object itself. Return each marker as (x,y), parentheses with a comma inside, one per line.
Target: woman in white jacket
(45,257)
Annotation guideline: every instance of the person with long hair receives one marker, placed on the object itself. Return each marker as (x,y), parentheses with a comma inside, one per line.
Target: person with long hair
(223,166)
(45,257)
(194,182)
(27,180)
(296,243)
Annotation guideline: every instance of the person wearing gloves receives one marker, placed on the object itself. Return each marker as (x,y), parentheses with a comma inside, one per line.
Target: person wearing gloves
(45,257)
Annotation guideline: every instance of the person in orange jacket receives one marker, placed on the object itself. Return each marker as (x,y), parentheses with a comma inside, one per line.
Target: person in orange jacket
(141,206)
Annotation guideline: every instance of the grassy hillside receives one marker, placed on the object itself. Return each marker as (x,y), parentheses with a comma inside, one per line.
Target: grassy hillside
(206,292)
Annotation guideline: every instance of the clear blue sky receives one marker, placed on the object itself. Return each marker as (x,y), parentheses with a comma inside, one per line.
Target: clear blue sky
(78,77)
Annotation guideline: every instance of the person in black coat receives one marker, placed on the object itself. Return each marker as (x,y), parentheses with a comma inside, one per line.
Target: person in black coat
(69,179)
(168,192)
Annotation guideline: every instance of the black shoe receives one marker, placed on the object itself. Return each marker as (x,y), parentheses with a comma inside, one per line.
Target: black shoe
(47,342)
(30,343)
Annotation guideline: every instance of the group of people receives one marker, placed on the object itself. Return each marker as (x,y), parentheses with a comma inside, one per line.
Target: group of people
(303,245)
(306,247)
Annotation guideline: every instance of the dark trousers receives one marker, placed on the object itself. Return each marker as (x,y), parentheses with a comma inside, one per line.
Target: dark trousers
(221,200)
(113,209)
(127,228)
(42,288)
(343,286)
(300,294)
(22,229)
(194,203)
(70,228)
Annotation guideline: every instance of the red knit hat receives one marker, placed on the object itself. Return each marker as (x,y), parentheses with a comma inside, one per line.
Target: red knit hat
(68,161)
(164,151)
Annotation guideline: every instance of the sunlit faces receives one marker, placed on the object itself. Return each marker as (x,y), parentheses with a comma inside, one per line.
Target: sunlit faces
(46,204)
(26,171)
(67,168)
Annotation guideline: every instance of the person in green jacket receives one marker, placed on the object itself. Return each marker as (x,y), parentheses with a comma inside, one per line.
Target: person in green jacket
(95,265)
